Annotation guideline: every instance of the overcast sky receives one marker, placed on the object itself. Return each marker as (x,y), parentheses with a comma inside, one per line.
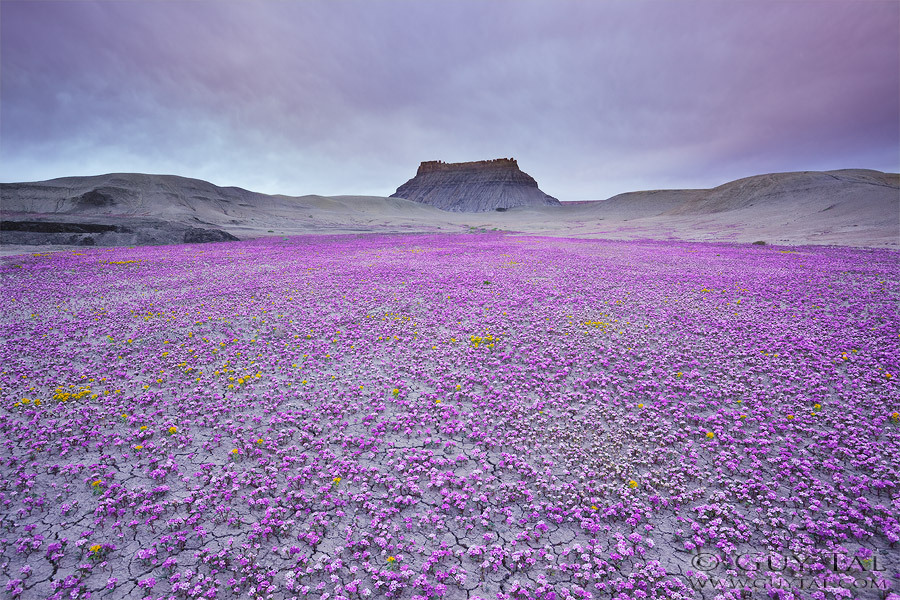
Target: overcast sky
(347,97)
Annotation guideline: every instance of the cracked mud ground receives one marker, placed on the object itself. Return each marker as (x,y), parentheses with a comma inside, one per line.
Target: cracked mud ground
(471,416)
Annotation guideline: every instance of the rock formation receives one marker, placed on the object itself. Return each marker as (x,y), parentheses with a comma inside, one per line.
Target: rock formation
(853,207)
(118,209)
(104,231)
(478,186)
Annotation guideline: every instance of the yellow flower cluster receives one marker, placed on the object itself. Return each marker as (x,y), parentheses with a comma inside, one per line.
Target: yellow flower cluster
(62,396)
(27,401)
(477,340)
(595,324)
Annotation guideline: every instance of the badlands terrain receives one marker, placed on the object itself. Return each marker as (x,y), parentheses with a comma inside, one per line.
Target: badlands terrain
(372,398)
(477,186)
(483,415)
(848,207)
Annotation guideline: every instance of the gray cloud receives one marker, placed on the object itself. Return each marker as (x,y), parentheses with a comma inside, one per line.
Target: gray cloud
(347,97)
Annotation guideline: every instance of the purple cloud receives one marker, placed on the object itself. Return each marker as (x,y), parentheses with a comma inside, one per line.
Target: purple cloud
(321,97)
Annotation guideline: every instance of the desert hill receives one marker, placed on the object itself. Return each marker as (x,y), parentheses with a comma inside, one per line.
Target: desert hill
(478,186)
(137,209)
(852,207)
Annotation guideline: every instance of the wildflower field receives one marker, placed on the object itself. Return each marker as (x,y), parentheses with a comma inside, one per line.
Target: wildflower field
(460,416)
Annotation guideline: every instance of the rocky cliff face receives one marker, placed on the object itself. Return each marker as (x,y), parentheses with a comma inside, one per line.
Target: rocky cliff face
(478,186)
(118,209)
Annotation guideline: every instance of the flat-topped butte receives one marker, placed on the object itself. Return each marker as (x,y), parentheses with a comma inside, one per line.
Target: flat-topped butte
(428,166)
(476,186)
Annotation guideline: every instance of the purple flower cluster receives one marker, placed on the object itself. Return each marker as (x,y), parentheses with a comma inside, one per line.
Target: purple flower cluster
(463,416)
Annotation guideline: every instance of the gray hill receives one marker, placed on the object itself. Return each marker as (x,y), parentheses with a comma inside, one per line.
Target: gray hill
(861,195)
(130,209)
(478,186)
(853,207)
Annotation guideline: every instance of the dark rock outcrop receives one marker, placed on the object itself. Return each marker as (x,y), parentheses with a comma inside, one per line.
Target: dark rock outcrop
(59,227)
(479,186)
(99,198)
(196,235)
(104,231)
(121,209)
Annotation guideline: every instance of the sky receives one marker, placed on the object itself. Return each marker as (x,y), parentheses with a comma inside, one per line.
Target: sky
(348,96)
